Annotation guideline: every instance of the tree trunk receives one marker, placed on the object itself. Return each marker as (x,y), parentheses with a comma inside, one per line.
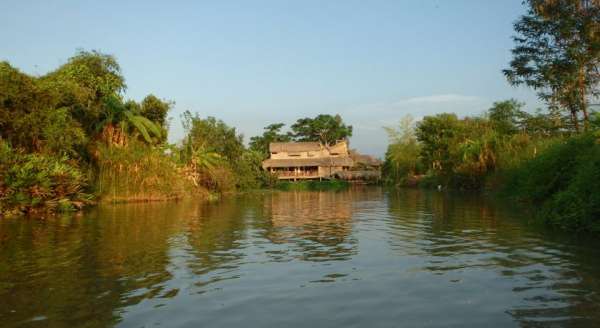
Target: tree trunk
(582,95)
(574,118)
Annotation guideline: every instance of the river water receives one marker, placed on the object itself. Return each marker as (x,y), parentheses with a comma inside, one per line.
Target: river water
(365,257)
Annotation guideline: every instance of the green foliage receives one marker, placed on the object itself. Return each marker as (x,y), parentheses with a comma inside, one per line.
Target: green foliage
(155,110)
(64,114)
(214,136)
(504,116)
(83,83)
(437,135)
(31,118)
(465,153)
(217,154)
(403,156)
(557,49)
(271,134)
(251,174)
(60,134)
(562,182)
(140,172)
(324,128)
(30,182)
(119,120)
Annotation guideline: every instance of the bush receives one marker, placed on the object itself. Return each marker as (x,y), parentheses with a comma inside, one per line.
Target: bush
(563,181)
(30,182)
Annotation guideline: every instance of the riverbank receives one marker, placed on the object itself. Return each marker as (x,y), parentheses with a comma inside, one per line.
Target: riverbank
(559,182)
(70,138)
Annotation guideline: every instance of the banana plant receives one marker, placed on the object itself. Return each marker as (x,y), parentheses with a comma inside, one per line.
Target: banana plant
(119,121)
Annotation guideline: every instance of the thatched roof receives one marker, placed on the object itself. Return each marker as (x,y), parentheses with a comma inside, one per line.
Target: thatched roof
(298,162)
(361,159)
(276,147)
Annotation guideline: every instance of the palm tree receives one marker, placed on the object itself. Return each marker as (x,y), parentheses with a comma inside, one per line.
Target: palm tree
(203,159)
(120,120)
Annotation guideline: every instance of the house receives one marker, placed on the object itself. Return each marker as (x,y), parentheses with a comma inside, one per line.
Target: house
(307,160)
(365,168)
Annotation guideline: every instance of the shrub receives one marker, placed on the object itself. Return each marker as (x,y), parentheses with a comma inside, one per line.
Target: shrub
(563,181)
(30,182)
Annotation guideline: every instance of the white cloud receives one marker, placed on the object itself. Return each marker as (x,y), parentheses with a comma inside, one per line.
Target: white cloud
(438,99)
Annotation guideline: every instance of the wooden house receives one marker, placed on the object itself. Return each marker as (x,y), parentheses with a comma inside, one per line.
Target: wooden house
(307,160)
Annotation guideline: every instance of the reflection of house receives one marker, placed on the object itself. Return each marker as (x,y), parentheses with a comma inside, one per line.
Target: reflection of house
(322,217)
(313,160)
(309,208)
(307,160)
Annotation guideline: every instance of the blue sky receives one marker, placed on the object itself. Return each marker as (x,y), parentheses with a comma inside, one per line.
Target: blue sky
(252,63)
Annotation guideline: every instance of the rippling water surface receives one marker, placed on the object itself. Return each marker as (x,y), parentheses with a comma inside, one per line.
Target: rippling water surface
(365,257)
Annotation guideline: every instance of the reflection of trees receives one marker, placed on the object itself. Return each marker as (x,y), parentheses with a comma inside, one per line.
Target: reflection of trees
(318,223)
(77,271)
(457,233)
(91,270)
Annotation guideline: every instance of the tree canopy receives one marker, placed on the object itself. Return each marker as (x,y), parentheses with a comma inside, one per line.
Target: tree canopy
(557,52)
(324,128)
(272,133)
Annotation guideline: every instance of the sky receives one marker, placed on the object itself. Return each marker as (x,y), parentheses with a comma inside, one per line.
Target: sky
(253,63)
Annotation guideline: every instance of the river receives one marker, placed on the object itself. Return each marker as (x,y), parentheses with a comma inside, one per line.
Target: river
(365,257)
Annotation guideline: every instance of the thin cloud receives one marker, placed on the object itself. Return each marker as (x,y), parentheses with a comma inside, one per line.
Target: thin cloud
(438,99)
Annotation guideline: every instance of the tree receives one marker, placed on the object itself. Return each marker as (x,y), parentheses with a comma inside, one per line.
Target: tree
(83,84)
(31,116)
(324,128)
(504,116)
(155,110)
(402,158)
(214,136)
(210,139)
(436,135)
(557,53)
(119,120)
(272,133)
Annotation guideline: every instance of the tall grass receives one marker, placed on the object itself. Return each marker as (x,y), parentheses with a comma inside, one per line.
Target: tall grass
(140,172)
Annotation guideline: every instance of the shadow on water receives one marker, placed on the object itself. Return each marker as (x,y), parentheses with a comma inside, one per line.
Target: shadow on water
(365,256)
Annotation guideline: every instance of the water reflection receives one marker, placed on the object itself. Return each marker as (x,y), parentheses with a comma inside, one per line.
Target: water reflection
(461,237)
(354,258)
(73,270)
(315,225)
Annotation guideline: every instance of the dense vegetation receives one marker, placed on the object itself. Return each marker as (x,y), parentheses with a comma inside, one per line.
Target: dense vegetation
(550,158)
(70,138)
